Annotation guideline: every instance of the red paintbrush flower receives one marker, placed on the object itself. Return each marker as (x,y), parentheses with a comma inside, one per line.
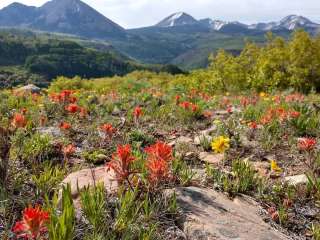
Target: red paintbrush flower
(24,111)
(120,163)
(245,101)
(72,99)
(65,94)
(19,120)
(207,114)
(306,144)
(229,109)
(159,156)
(72,108)
(108,129)
(185,105)
(177,98)
(189,106)
(295,114)
(160,150)
(65,126)
(32,224)
(137,112)
(68,150)
(158,170)
(43,120)
(194,107)
(253,125)
(83,112)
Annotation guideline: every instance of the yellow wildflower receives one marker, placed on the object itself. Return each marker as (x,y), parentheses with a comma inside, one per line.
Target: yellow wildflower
(263,94)
(220,144)
(217,122)
(275,167)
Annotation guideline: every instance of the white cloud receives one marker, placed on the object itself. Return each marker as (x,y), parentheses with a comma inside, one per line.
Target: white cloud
(137,13)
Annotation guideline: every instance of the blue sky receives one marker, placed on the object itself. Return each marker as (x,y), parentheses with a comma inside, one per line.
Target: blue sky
(137,13)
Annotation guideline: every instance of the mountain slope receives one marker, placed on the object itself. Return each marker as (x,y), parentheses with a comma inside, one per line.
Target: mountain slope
(63,16)
(75,17)
(17,14)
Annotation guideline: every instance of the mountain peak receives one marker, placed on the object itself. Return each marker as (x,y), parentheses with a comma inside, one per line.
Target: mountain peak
(63,16)
(177,19)
(293,22)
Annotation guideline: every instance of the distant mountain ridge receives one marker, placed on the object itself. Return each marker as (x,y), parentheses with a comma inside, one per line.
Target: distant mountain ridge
(64,16)
(290,23)
(77,18)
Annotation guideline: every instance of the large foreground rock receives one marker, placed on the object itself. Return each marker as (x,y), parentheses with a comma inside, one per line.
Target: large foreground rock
(212,216)
(89,177)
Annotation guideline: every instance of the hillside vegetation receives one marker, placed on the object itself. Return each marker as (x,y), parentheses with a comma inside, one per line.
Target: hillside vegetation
(278,64)
(28,57)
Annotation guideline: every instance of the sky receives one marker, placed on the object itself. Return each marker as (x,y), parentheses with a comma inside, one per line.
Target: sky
(139,13)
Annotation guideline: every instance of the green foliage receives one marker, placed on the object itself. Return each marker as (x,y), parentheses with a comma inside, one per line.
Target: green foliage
(127,210)
(95,156)
(307,124)
(314,185)
(205,143)
(35,149)
(40,58)
(182,171)
(139,138)
(277,64)
(243,178)
(62,223)
(48,180)
(315,229)
(94,207)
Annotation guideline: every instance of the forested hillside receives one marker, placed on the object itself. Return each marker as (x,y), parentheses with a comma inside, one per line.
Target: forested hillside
(40,58)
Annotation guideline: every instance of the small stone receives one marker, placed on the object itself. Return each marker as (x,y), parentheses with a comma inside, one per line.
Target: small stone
(221,112)
(175,233)
(211,158)
(28,89)
(50,131)
(209,130)
(247,143)
(297,179)
(270,157)
(181,140)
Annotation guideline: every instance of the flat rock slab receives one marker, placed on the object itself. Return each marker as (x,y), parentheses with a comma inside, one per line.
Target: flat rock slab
(181,140)
(89,177)
(212,158)
(212,216)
